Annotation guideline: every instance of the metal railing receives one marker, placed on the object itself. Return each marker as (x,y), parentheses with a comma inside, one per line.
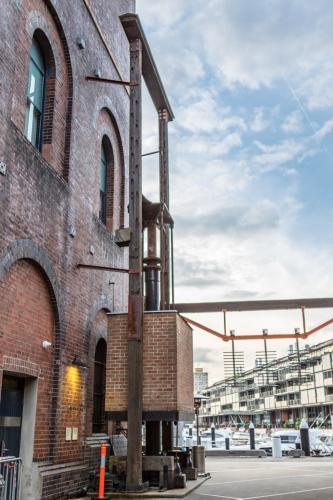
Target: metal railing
(10,477)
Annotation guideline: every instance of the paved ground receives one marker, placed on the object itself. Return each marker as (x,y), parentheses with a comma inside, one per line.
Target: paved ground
(260,478)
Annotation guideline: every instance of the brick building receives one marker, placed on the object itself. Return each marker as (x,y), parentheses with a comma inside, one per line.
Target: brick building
(53,216)
(64,149)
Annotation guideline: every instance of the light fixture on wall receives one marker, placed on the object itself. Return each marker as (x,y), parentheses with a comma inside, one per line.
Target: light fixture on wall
(78,362)
(46,344)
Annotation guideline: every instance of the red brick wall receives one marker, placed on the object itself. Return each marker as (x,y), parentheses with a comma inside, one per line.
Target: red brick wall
(99,331)
(167,358)
(34,14)
(185,387)
(27,319)
(43,196)
(115,183)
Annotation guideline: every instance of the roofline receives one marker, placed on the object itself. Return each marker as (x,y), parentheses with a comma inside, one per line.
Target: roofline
(277,361)
(133,29)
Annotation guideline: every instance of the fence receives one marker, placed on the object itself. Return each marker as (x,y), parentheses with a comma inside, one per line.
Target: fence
(10,476)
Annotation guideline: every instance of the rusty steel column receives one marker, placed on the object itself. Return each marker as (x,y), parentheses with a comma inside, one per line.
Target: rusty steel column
(152,271)
(164,198)
(135,298)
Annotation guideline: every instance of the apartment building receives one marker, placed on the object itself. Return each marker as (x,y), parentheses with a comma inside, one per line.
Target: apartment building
(299,385)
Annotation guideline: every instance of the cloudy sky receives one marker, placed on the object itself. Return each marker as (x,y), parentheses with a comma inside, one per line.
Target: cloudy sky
(251,86)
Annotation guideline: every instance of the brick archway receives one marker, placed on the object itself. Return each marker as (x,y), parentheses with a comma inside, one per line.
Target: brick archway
(20,253)
(29,250)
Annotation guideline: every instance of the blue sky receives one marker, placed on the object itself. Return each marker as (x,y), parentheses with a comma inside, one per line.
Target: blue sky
(251,86)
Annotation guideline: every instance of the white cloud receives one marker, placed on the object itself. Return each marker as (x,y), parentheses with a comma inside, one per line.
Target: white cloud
(276,155)
(250,44)
(293,123)
(259,122)
(231,68)
(202,112)
(325,130)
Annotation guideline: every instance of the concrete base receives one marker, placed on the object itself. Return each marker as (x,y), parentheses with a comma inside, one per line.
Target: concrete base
(176,493)
(235,453)
(191,474)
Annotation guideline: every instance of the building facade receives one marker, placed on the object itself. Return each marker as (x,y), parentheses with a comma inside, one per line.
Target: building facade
(64,145)
(200,380)
(279,394)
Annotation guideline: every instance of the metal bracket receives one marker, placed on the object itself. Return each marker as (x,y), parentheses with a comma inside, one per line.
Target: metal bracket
(107,268)
(115,82)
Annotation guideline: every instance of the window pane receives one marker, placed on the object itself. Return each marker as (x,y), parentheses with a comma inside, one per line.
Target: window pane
(32,124)
(103,171)
(36,86)
(35,95)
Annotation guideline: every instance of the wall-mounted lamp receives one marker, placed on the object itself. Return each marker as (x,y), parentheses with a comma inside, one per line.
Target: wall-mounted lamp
(78,362)
(46,344)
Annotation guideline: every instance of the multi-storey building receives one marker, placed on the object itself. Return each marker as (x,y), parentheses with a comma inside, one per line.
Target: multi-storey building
(63,197)
(285,390)
(200,380)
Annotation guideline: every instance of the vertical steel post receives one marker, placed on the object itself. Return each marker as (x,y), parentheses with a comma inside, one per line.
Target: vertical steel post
(152,271)
(252,436)
(212,429)
(232,334)
(135,299)
(164,198)
(298,360)
(172,270)
(265,333)
(198,431)
(304,435)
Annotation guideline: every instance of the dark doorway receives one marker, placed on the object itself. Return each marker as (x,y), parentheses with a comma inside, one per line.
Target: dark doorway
(11,407)
(99,387)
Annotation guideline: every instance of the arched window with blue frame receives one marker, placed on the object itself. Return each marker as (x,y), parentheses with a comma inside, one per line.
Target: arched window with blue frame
(35,96)
(103,183)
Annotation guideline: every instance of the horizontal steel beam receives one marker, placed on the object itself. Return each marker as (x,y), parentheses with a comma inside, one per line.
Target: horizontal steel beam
(227,338)
(114,82)
(253,305)
(107,268)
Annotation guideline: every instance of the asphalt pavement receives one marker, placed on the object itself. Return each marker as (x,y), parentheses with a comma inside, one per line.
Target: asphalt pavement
(260,478)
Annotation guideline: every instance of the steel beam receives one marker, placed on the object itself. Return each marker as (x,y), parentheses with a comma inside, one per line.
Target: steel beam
(163,119)
(135,299)
(133,29)
(254,305)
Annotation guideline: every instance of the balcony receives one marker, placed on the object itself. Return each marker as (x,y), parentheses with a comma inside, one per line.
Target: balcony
(293,402)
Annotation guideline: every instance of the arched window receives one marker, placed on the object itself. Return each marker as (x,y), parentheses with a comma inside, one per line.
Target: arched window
(99,386)
(103,184)
(35,96)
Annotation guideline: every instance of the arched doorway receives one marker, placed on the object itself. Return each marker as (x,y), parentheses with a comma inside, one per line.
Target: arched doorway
(99,387)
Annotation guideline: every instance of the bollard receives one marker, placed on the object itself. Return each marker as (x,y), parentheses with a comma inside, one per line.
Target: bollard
(252,437)
(213,435)
(305,439)
(102,473)
(227,434)
(227,444)
(298,443)
(276,447)
(199,458)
